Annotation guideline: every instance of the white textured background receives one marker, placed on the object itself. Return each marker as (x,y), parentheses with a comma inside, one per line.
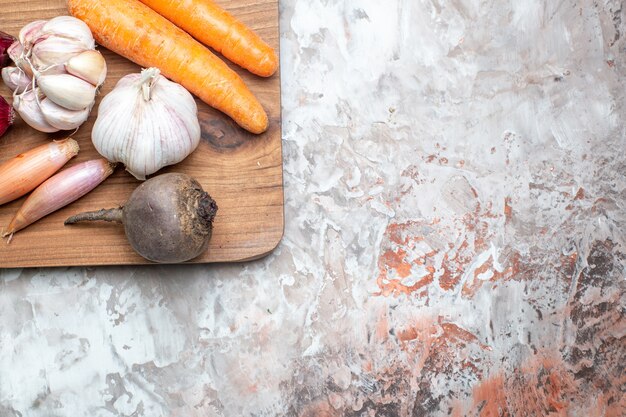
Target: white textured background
(455,245)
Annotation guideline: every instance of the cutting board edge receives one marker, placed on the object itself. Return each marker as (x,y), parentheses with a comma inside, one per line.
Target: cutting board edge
(141,263)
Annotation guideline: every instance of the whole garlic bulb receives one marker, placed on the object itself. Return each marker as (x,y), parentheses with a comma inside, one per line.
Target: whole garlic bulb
(57,58)
(146,122)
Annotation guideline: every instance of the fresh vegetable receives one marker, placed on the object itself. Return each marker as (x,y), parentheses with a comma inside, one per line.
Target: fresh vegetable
(16,53)
(54,50)
(6,41)
(46,43)
(167,219)
(23,173)
(16,79)
(67,90)
(138,33)
(215,27)
(57,40)
(60,190)
(27,106)
(89,66)
(6,115)
(30,33)
(67,27)
(62,118)
(55,60)
(146,122)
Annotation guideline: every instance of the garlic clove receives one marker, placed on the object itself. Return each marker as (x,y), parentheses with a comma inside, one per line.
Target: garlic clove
(30,33)
(27,107)
(53,69)
(88,65)
(62,118)
(16,53)
(55,50)
(15,79)
(67,91)
(70,28)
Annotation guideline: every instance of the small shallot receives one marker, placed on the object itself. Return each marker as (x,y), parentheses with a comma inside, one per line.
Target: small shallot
(6,115)
(60,190)
(24,172)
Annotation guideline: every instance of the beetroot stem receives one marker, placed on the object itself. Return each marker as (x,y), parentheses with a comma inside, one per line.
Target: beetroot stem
(107,215)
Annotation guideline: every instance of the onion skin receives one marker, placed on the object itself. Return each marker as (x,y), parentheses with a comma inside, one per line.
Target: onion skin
(60,190)
(6,41)
(24,172)
(6,115)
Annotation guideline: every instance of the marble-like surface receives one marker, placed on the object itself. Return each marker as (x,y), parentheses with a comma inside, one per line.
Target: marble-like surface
(454,242)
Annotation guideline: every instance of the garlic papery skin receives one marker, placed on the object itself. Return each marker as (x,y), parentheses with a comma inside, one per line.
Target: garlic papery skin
(55,50)
(88,65)
(15,79)
(16,53)
(146,122)
(27,106)
(62,118)
(30,33)
(67,91)
(70,28)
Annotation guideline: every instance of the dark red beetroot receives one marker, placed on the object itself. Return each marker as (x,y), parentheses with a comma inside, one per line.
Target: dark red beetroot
(167,219)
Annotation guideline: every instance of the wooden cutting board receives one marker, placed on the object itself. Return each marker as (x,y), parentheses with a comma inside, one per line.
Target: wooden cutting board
(241,171)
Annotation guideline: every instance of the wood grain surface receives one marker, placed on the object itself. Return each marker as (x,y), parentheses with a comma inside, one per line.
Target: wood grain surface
(241,171)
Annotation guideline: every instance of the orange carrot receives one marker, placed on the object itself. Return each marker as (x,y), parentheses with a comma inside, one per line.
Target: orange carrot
(215,27)
(140,34)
